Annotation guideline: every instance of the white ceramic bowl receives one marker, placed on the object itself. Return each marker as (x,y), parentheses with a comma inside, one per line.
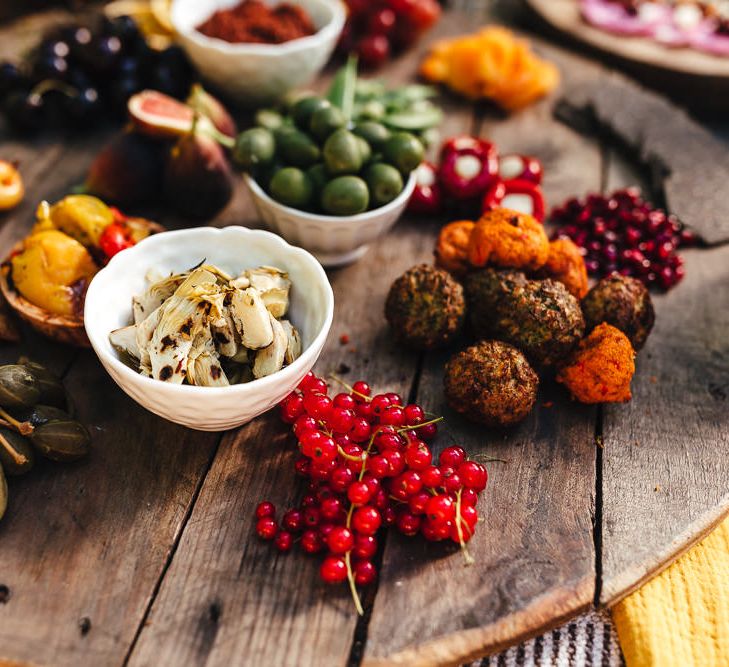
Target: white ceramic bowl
(256,74)
(108,307)
(334,240)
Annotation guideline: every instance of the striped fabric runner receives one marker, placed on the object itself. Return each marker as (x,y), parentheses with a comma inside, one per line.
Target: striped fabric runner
(587,641)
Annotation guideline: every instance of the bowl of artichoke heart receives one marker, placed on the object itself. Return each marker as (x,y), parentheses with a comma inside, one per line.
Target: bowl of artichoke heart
(333,179)
(207,327)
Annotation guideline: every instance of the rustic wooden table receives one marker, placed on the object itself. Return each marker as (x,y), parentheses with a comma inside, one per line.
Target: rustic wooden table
(145,554)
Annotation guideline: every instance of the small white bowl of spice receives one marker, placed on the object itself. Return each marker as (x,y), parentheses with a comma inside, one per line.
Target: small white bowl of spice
(258,64)
(208,327)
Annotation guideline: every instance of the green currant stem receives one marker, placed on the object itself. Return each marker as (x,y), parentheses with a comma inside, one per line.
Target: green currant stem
(466,555)
(349,457)
(24,428)
(416,426)
(352,586)
(483,458)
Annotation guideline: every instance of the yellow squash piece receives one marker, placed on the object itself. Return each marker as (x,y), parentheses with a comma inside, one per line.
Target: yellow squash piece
(82,217)
(52,272)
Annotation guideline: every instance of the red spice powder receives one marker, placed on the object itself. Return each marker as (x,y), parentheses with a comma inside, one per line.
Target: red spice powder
(253,21)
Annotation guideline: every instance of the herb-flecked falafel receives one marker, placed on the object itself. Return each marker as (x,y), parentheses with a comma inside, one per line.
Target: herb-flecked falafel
(539,317)
(491,383)
(623,302)
(426,307)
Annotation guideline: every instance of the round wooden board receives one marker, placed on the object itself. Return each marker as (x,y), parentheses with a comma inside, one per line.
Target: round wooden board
(697,79)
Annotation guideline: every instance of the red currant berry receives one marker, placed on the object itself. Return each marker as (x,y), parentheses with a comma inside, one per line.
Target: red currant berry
(386,441)
(293,521)
(284,541)
(361,430)
(333,570)
(395,399)
(414,414)
(303,424)
(345,401)
(318,406)
(318,447)
(469,514)
(359,493)
(292,408)
(378,404)
(303,466)
(340,540)
(418,501)
(373,483)
(366,520)
(440,509)
(312,383)
(469,497)
(378,466)
(452,483)
(381,500)
(435,532)
(355,457)
(428,431)
(361,391)
(311,541)
(309,501)
(473,475)
(465,534)
(266,528)
(364,410)
(332,509)
(364,573)
(408,524)
(265,509)
(432,477)
(381,22)
(341,478)
(409,482)
(365,546)
(418,455)
(325,529)
(321,470)
(393,415)
(322,492)
(389,516)
(341,420)
(395,461)
(452,456)
(311,517)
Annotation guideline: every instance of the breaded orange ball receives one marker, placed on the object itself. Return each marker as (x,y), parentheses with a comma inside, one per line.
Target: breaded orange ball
(451,250)
(602,367)
(510,239)
(566,265)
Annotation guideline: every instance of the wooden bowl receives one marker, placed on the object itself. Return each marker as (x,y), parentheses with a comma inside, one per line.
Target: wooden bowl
(68,330)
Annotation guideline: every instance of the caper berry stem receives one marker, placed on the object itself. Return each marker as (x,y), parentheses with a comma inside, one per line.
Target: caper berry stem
(18,458)
(24,428)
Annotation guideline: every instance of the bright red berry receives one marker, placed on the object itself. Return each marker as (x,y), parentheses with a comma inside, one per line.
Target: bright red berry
(418,455)
(311,541)
(469,497)
(333,570)
(311,517)
(293,521)
(452,456)
(473,475)
(340,540)
(265,509)
(361,391)
(318,406)
(312,383)
(440,509)
(341,420)
(378,404)
(364,573)
(332,509)
(428,431)
(432,477)
(292,408)
(408,524)
(359,493)
(304,423)
(378,466)
(393,415)
(418,501)
(395,399)
(414,414)
(284,541)
(366,520)
(361,430)
(365,546)
(408,483)
(266,528)
(345,401)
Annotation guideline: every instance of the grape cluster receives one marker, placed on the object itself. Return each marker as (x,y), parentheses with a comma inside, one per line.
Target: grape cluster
(79,72)
(369,466)
(623,233)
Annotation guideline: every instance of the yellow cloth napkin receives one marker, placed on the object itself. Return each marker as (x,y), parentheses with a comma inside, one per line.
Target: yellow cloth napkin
(681,617)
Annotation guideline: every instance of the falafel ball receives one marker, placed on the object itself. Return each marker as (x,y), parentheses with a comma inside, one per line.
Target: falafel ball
(539,317)
(566,265)
(623,302)
(491,383)
(602,367)
(426,307)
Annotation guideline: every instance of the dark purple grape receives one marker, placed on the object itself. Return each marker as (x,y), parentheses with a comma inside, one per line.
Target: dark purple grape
(50,67)
(78,78)
(25,112)
(125,28)
(54,47)
(127,66)
(83,106)
(79,38)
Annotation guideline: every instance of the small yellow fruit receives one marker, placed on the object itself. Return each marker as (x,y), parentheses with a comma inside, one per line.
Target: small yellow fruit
(11,186)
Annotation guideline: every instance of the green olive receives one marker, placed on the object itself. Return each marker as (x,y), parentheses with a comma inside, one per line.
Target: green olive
(305,108)
(342,153)
(326,120)
(365,150)
(292,187)
(404,150)
(269,118)
(345,195)
(61,440)
(375,134)
(298,149)
(319,177)
(373,110)
(385,183)
(254,147)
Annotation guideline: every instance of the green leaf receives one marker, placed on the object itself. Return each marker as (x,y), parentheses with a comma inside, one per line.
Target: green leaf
(341,93)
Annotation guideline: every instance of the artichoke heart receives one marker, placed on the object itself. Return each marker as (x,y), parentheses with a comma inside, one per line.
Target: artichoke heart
(293,346)
(157,293)
(182,317)
(271,358)
(274,286)
(125,340)
(203,364)
(251,318)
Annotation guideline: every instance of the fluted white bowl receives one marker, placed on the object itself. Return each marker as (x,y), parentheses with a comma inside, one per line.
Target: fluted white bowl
(109,306)
(255,74)
(333,240)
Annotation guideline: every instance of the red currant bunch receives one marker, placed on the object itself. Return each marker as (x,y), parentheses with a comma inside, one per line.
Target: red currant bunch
(368,464)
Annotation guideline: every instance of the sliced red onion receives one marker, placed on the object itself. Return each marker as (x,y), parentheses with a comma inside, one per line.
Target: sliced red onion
(710,42)
(613,17)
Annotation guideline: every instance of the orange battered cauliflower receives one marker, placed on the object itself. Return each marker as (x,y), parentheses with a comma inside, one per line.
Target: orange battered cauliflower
(601,368)
(566,265)
(451,251)
(510,239)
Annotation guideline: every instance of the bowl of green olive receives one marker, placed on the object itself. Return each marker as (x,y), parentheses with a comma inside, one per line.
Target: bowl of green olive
(326,183)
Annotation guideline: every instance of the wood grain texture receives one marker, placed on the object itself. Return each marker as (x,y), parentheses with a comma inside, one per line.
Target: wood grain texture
(693,78)
(535,565)
(687,161)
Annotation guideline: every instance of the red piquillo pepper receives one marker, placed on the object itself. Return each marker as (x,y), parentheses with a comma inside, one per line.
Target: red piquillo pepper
(427,197)
(518,195)
(468,167)
(522,167)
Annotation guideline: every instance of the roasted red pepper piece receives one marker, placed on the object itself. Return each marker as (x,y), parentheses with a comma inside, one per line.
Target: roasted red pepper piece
(427,197)
(518,195)
(520,167)
(468,167)
(114,239)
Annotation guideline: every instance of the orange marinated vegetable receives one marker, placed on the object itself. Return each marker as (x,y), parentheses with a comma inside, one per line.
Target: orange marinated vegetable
(451,250)
(601,369)
(509,239)
(11,186)
(491,63)
(566,265)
